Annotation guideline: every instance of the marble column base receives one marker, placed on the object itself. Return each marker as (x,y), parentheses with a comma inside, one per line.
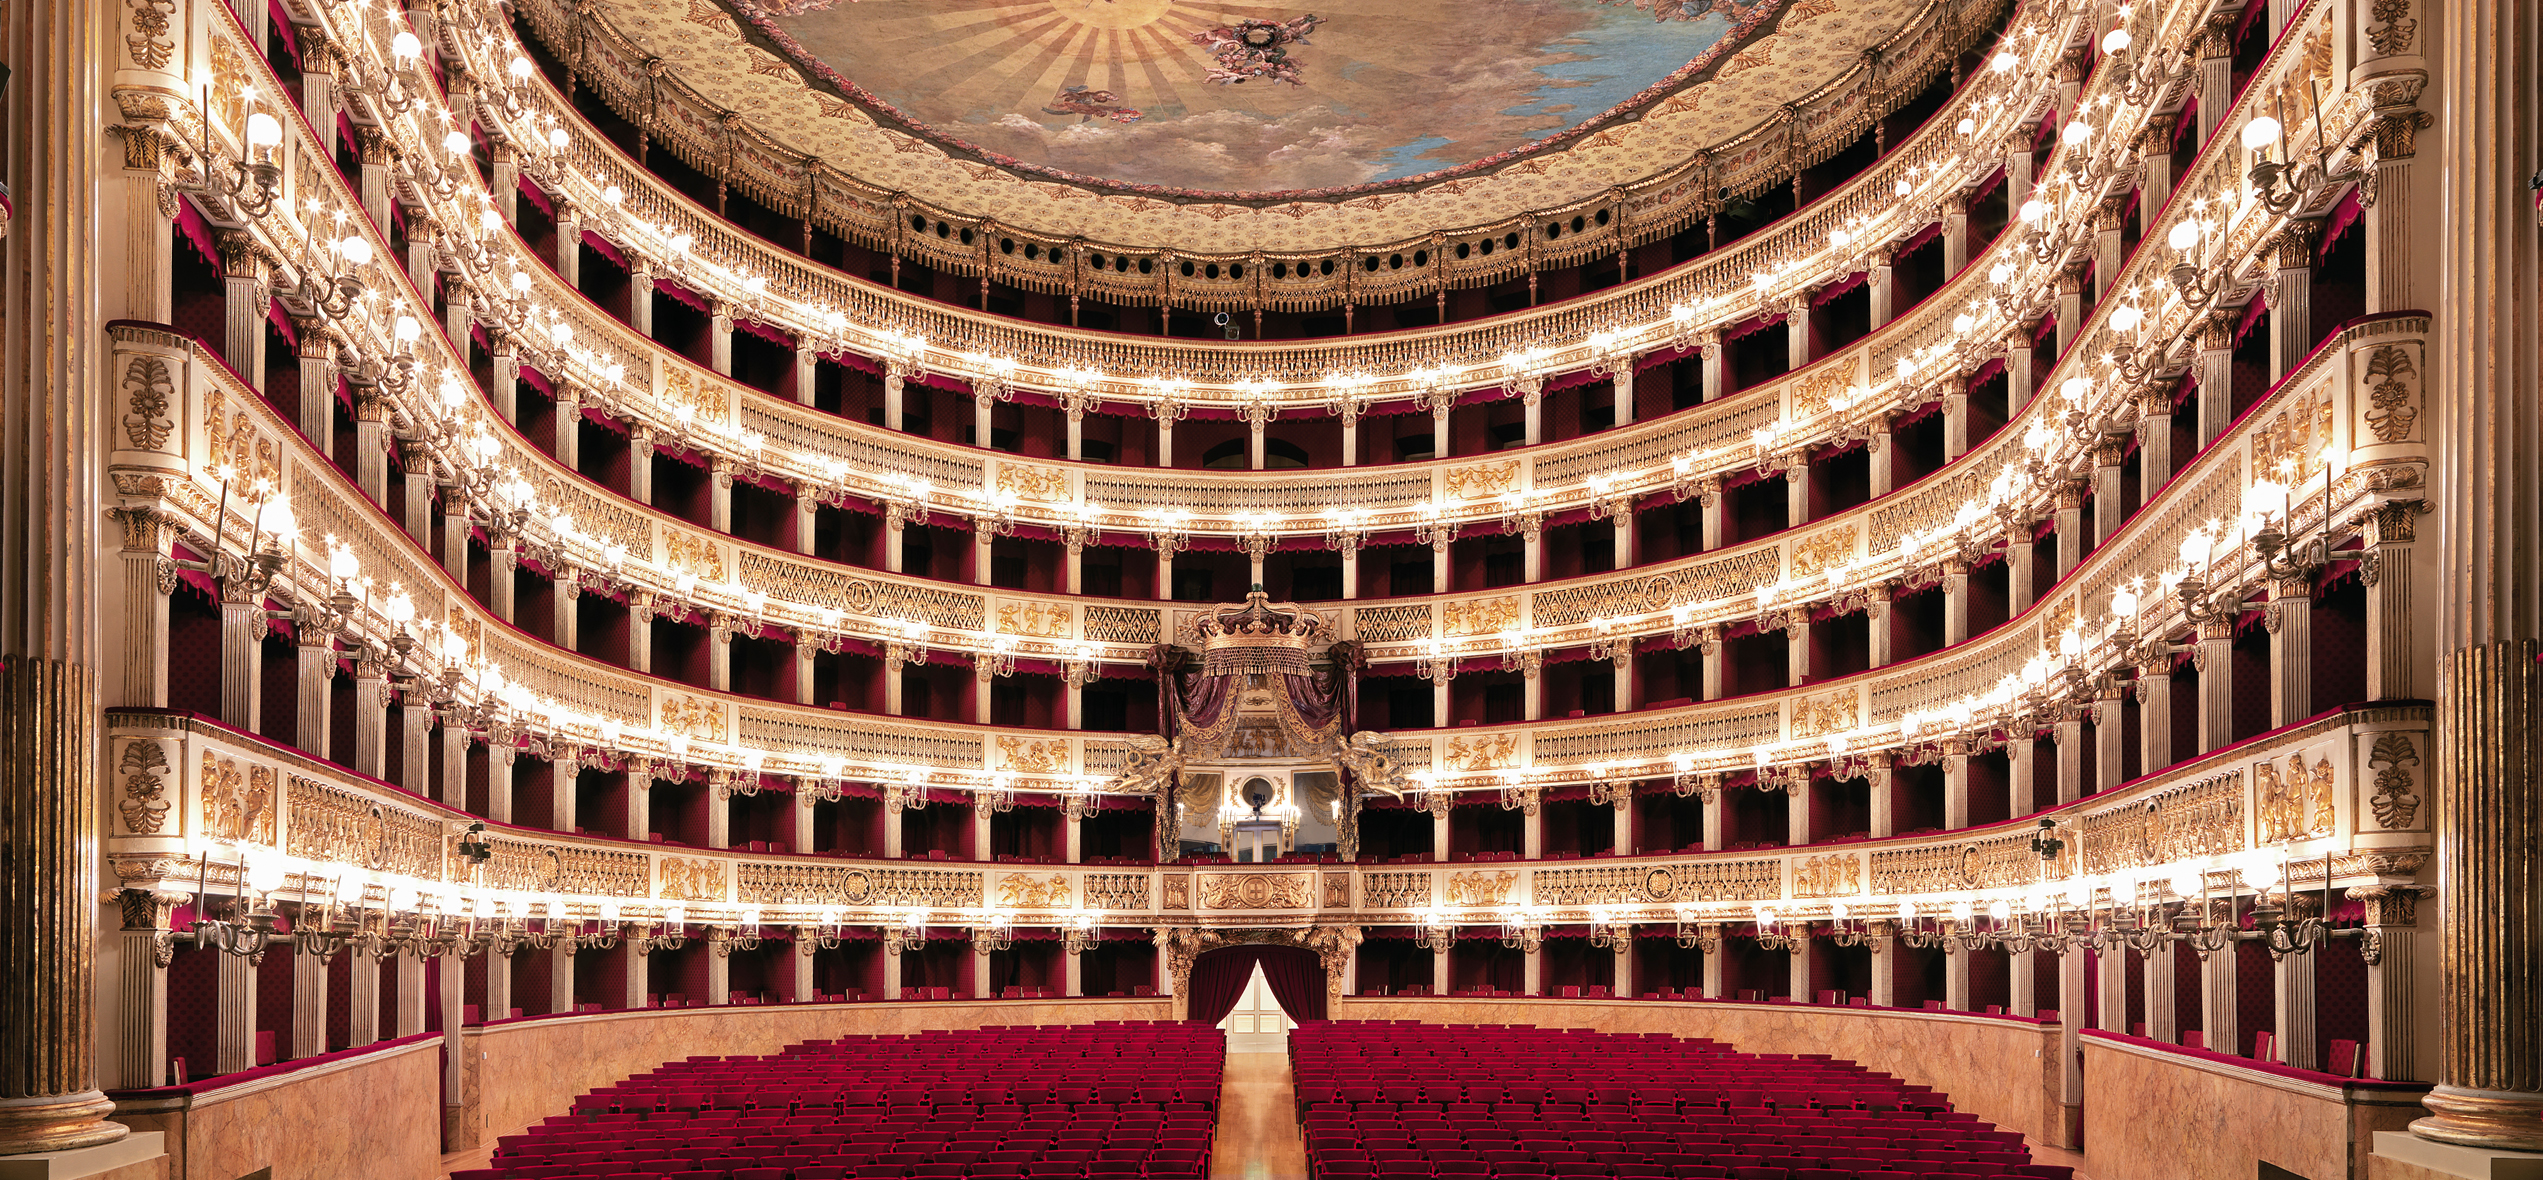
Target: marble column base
(141,1155)
(2446,1159)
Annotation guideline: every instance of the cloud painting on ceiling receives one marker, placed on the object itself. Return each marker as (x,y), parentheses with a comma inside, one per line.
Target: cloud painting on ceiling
(1264,100)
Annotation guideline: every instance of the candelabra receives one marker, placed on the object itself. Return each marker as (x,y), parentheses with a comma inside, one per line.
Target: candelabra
(2267,505)
(1606,933)
(1845,930)
(1775,936)
(1431,529)
(744,935)
(1346,529)
(247,927)
(2194,275)
(253,188)
(998,662)
(994,932)
(822,935)
(670,934)
(2286,187)
(911,934)
(1078,933)
(1081,667)
(1437,933)
(1692,935)
(1521,932)
(1440,666)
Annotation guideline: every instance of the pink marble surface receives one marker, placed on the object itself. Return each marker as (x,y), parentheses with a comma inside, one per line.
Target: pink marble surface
(2004,1071)
(375,1116)
(2151,1115)
(515,1074)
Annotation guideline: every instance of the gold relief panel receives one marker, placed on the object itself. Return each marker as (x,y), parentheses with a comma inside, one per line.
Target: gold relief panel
(1031,756)
(1338,891)
(1491,616)
(1258,891)
(1397,890)
(2391,775)
(1482,481)
(705,398)
(2293,799)
(142,799)
(1178,892)
(686,553)
(237,804)
(1813,555)
(687,879)
(1117,891)
(235,446)
(2390,391)
(2289,445)
(462,625)
(1813,393)
(1047,485)
(1839,874)
(1483,753)
(1036,620)
(1821,715)
(2203,818)
(1479,888)
(694,717)
(1024,891)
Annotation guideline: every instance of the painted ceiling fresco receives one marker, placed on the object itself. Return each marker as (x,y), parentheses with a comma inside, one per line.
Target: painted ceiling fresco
(1261,99)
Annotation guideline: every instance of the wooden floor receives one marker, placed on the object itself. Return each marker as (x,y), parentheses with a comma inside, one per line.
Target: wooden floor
(1258,1121)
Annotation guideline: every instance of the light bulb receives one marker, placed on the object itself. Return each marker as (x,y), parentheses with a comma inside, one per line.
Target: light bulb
(2188,882)
(520,66)
(2125,601)
(341,563)
(2005,61)
(557,138)
(406,47)
(2261,132)
(263,131)
(356,251)
(2184,235)
(2195,550)
(456,143)
(2116,41)
(2126,318)
(278,521)
(521,282)
(2075,133)
(2032,212)
(407,330)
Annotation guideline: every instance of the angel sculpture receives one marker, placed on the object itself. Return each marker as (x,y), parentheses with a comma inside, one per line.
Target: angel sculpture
(1149,767)
(1366,756)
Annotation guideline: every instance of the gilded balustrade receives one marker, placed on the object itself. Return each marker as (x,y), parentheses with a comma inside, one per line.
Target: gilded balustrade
(194,801)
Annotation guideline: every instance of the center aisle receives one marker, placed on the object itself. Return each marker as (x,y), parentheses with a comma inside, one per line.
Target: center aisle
(1258,1121)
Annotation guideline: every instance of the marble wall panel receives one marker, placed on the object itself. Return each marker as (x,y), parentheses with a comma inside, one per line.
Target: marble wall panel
(2152,1114)
(374,1115)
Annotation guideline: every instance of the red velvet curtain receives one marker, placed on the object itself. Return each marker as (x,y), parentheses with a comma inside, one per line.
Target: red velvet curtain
(1296,975)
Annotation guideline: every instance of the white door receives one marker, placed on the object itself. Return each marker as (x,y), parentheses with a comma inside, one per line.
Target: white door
(1257,1024)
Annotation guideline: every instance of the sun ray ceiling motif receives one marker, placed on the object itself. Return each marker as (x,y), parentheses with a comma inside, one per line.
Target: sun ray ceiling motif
(1101,120)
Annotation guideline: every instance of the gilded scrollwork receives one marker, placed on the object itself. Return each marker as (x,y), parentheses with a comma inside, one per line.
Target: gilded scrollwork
(149,393)
(2390,761)
(145,769)
(1258,891)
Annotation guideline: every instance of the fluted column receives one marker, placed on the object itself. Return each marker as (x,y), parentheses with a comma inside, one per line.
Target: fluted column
(2289,617)
(1882,948)
(2218,995)
(569,259)
(2156,984)
(2072,1018)
(377,177)
(1880,288)
(1710,361)
(138,1059)
(720,339)
(148,580)
(1957,602)
(805,650)
(2017,160)
(362,999)
(1957,421)
(563,766)
(2156,167)
(454,785)
(2385,573)
(2071,308)
(640,464)
(2019,570)
(2110,736)
(233,1012)
(503,384)
(243,627)
(2019,369)
(499,779)
(149,222)
(1710,662)
(2215,90)
(309,1003)
(2398,954)
(2112,990)
(1957,978)
(2023,987)
(371,440)
(317,385)
(564,629)
(2214,366)
(2485,481)
(1957,787)
(2213,655)
(1798,970)
(1956,234)
(1883,811)
(2068,517)
(2068,735)
(2109,510)
(1880,459)
(2023,787)
(415,718)
(246,296)
(640,304)
(2293,996)
(314,713)
(2290,295)
(2155,689)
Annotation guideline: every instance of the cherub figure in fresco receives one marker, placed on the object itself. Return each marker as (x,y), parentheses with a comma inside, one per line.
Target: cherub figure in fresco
(1090,105)
(791,7)
(1253,49)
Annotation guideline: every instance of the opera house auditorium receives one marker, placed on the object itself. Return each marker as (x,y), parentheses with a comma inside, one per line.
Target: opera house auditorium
(1163,590)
